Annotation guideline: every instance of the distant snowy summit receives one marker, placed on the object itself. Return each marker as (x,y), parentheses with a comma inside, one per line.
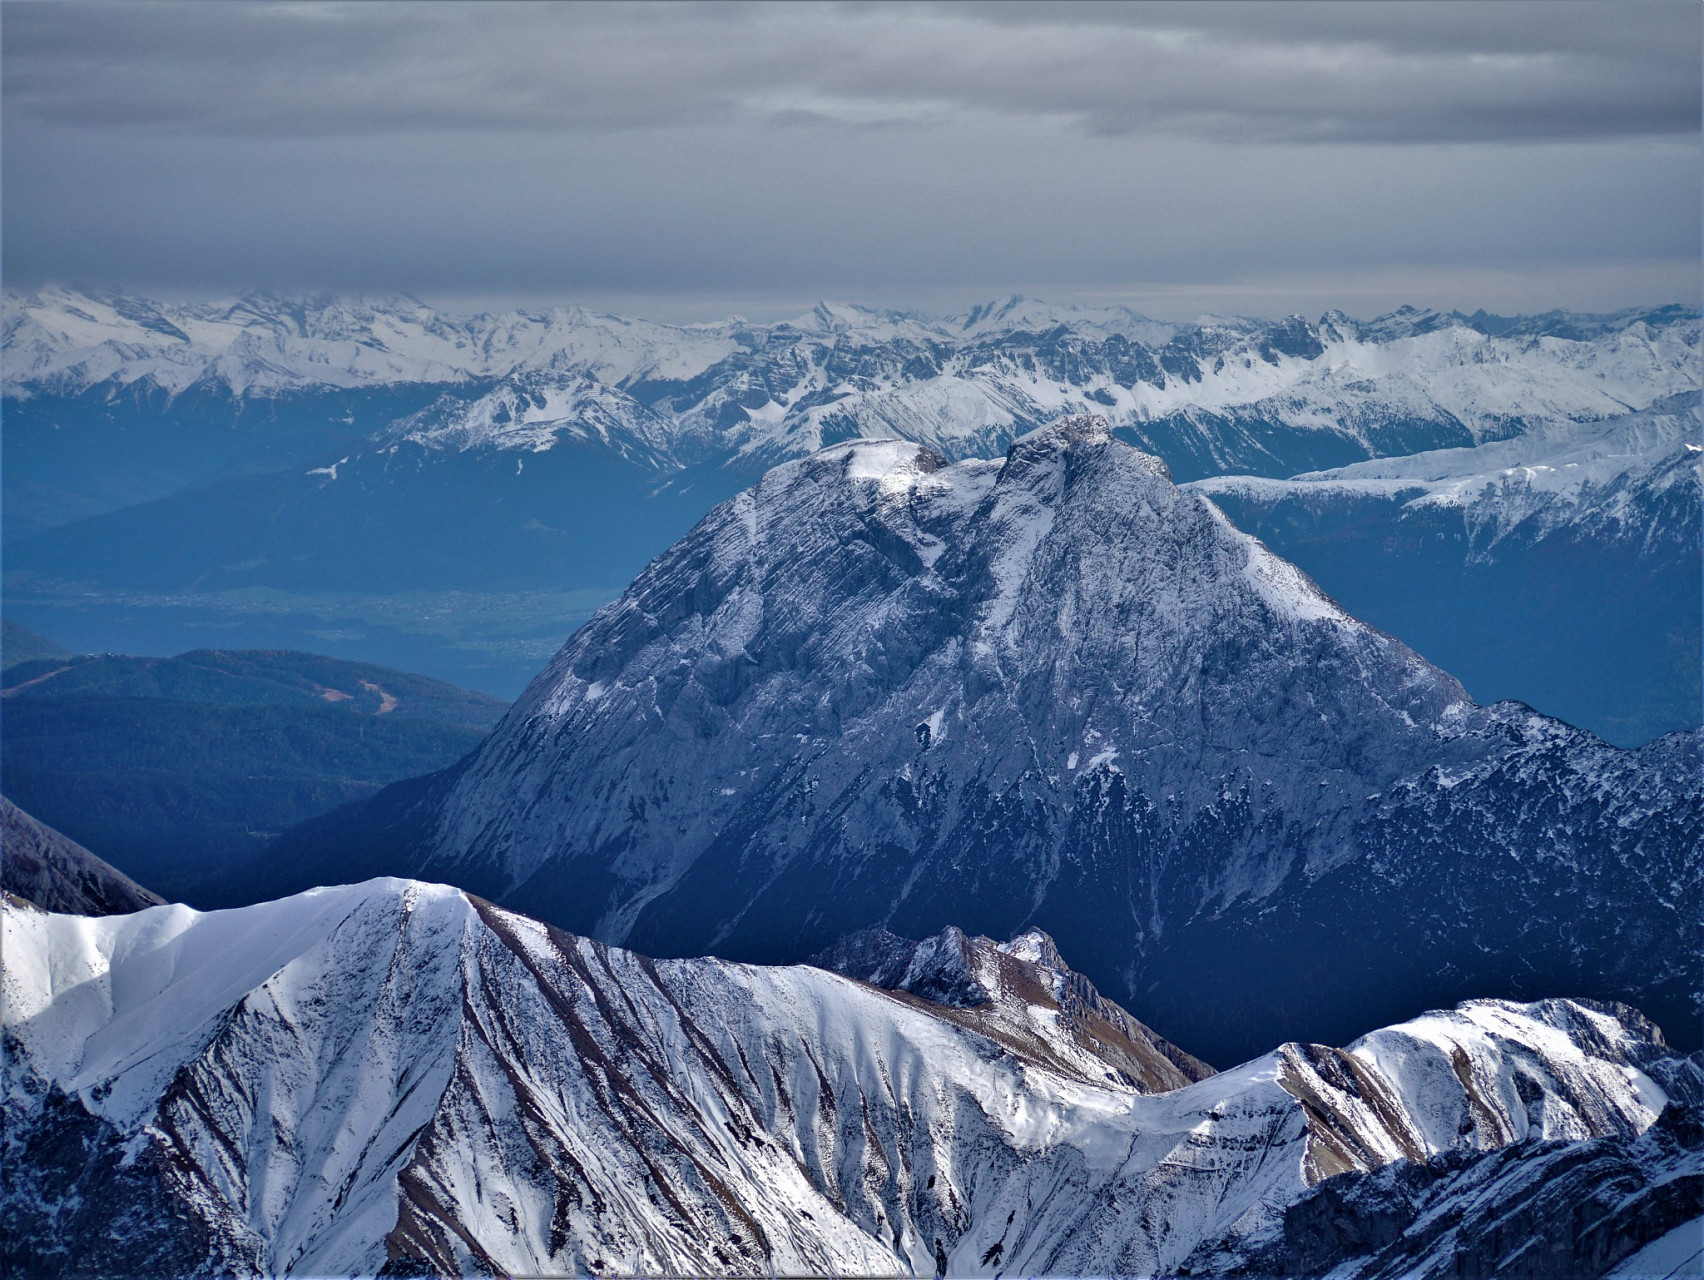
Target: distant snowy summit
(1216,395)
(69,341)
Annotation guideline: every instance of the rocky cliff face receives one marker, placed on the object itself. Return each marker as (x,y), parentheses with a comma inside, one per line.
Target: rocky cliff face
(394,1077)
(1057,691)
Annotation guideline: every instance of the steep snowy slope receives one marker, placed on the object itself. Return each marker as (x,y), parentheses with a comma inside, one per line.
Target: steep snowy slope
(1561,567)
(1053,691)
(395,1076)
(1539,1209)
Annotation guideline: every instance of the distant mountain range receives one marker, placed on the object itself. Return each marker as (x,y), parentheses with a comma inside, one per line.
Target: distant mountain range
(397,1079)
(182,770)
(1057,691)
(505,474)
(1220,394)
(1585,480)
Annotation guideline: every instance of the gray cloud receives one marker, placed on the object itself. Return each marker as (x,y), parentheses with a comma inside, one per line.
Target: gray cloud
(1274,72)
(900,153)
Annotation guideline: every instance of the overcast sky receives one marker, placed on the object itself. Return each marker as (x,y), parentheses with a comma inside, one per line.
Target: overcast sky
(684,161)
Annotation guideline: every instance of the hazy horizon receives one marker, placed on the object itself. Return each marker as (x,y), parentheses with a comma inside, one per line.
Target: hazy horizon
(688,161)
(684,312)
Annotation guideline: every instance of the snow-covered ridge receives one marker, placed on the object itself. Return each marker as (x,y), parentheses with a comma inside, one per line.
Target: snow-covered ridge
(1554,476)
(396,1074)
(532,415)
(1219,390)
(971,393)
(1475,377)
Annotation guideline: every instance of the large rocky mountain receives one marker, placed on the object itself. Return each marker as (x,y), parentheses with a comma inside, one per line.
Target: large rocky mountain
(395,1078)
(1053,691)
(1561,566)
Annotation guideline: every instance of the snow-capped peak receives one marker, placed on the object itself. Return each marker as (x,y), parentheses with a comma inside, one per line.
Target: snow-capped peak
(939,601)
(1015,314)
(868,324)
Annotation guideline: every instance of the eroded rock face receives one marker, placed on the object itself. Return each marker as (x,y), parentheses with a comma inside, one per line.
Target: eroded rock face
(397,1077)
(1056,691)
(1538,1209)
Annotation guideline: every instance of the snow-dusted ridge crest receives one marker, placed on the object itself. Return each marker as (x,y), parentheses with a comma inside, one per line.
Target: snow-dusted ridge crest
(397,1077)
(1611,480)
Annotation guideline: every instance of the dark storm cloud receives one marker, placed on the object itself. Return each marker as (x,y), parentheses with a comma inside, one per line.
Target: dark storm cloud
(899,153)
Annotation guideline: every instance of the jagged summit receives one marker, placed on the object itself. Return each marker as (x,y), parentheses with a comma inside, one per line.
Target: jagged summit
(1022,994)
(1084,428)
